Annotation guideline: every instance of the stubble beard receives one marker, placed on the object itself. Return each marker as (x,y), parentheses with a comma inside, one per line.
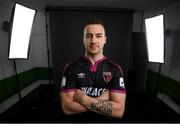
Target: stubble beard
(93,53)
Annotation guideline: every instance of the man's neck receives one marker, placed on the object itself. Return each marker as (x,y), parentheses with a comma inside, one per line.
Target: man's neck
(94,58)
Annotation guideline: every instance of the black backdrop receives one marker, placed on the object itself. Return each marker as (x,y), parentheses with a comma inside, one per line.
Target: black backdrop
(66,36)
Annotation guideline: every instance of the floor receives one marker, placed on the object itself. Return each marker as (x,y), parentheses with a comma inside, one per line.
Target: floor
(42,105)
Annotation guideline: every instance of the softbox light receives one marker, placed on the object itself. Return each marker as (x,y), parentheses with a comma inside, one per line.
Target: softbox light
(21,31)
(155,38)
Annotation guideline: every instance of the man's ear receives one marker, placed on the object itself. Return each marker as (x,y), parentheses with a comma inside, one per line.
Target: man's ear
(83,40)
(105,39)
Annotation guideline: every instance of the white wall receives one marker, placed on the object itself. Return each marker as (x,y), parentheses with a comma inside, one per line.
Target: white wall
(5,65)
(39,40)
(173,23)
(38,48)
(137,21)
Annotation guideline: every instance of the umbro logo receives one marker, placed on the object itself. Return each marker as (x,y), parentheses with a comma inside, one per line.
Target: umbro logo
(81,75)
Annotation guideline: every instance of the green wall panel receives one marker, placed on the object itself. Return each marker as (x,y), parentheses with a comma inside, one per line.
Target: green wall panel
(166,85)
(8,85)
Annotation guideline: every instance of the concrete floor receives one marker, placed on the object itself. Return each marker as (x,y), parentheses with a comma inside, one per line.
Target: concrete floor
(42,105)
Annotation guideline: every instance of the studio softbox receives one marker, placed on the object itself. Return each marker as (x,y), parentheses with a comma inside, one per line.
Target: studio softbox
(22,22)
(155,38)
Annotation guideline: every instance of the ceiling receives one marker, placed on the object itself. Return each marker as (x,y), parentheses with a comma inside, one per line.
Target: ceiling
(132,4)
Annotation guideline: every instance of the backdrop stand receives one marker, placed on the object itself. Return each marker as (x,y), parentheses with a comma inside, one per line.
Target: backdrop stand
(51,86)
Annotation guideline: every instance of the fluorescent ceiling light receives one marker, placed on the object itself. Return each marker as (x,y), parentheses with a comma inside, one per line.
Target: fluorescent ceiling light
(21,30)
(155,38)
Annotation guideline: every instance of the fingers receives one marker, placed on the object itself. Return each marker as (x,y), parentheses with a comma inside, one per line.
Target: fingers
(78,96)
(104,96)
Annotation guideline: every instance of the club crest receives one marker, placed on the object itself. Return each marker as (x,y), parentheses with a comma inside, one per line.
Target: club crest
(107,76)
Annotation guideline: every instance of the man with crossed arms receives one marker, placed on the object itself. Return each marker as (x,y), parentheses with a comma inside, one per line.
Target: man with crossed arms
(93,82)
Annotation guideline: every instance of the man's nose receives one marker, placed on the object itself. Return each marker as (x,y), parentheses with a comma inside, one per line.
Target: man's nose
(93,40)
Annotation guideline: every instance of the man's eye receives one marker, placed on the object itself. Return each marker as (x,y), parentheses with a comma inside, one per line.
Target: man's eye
(99,36)
(88,36)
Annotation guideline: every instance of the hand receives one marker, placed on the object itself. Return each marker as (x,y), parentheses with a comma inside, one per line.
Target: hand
(79,96)
(104,96)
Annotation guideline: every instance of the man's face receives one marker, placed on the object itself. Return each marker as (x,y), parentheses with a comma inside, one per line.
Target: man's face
(94,39)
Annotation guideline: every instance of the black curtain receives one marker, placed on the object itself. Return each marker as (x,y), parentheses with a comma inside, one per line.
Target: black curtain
(66,35)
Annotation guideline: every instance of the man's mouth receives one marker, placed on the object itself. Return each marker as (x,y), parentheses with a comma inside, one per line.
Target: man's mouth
(93,47)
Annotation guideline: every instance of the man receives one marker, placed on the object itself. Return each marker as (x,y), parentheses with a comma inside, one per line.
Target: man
(93,83)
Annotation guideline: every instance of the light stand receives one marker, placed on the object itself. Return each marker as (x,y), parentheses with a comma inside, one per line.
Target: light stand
(17,80)
(157,81)
(156,105)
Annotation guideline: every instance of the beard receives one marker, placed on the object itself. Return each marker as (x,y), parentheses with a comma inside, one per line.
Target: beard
(93,52)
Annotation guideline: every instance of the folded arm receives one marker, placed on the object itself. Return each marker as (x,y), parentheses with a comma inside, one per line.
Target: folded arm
(71,106)
(113,107)
(68,105)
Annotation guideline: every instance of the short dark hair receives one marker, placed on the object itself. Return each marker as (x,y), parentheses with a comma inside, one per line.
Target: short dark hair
(94,21)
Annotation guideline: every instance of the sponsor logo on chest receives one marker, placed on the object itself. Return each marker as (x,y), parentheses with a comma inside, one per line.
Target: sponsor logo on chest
(91,91)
